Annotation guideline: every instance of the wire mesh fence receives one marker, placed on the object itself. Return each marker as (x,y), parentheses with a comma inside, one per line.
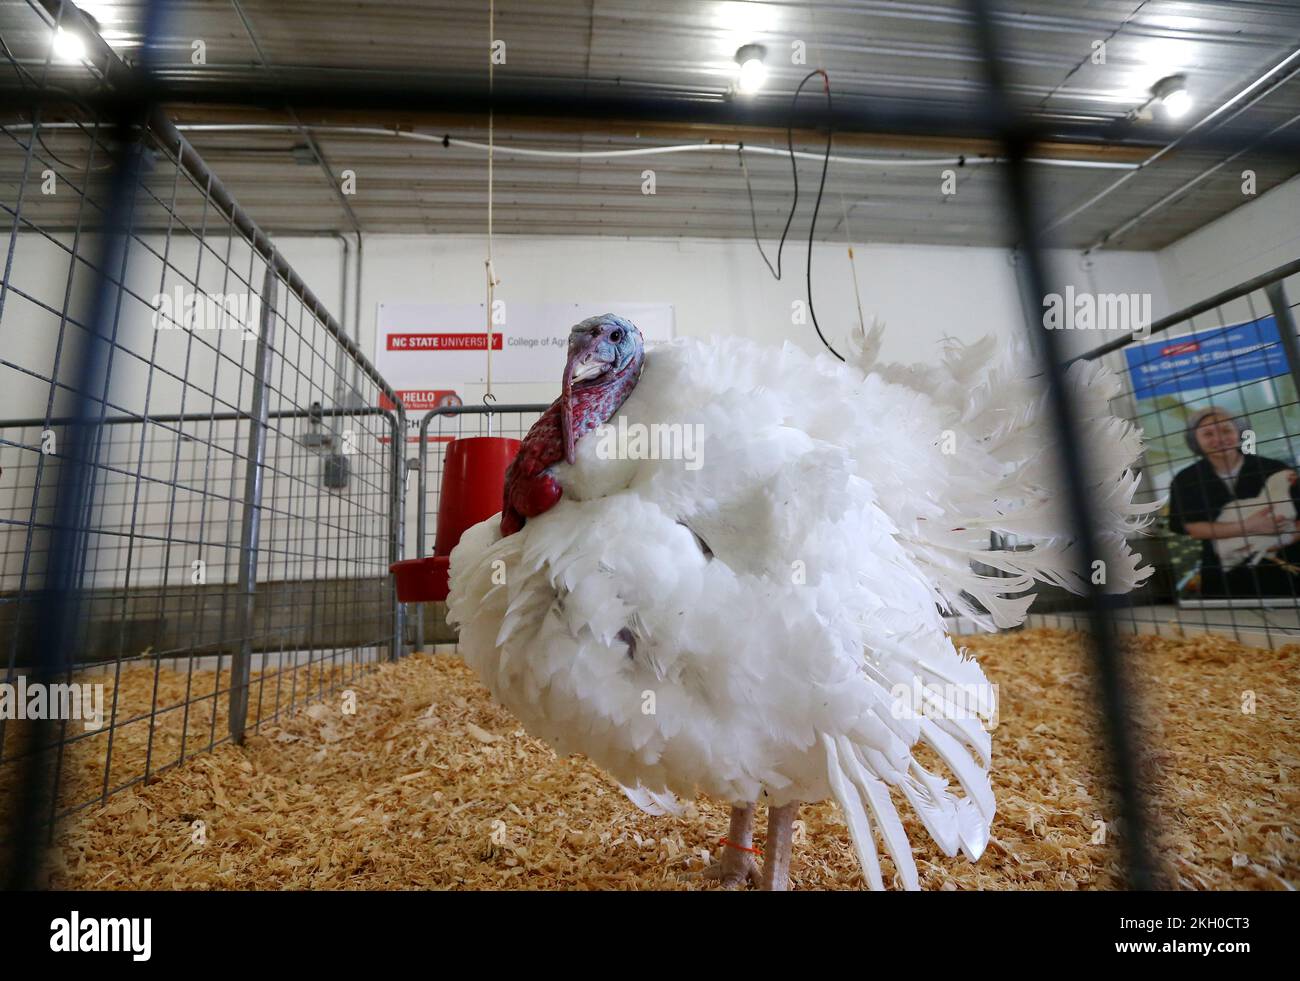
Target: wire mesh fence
(200,491)
(437,429)
(202,479)
(1214,390)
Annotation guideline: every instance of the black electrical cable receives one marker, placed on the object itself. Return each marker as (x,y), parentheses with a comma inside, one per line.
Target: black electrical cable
(27,78)
(821,187)
(794,173)
(817,205)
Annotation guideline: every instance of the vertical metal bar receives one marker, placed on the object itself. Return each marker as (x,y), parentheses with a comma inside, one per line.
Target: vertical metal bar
(343,388)
(356,315)
(250,527)
(59,616)
(1112,689)
(421,478)
(421,482)
(420,527)
(1276,294)
(397,521)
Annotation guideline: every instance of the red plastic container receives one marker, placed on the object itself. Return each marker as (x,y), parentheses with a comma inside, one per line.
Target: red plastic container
(472,480)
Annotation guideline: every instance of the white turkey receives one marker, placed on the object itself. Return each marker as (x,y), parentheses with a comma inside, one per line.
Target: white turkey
(756,614)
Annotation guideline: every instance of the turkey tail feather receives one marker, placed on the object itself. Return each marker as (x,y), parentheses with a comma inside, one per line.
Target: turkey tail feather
(857,790)
(1004,478)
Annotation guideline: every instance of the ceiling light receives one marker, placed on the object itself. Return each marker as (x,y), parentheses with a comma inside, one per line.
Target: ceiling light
(68,46)
(753,73)
(1177,103)
(1172,94)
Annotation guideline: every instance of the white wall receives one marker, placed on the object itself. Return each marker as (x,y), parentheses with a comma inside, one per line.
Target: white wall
(722,287)
(923,293)
(1244,243)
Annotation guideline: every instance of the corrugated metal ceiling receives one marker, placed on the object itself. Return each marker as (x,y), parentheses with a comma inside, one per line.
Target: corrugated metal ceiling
(887,52)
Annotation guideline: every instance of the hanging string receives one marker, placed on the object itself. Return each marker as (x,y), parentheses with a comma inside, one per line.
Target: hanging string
(492,281)
(853,266)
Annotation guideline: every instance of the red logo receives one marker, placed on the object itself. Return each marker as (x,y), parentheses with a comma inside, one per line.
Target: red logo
(442,342)
(1186,347)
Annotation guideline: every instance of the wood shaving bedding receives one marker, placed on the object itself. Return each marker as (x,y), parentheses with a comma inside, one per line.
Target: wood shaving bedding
(429,785)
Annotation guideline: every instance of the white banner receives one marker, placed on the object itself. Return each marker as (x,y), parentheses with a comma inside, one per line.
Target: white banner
(430,351)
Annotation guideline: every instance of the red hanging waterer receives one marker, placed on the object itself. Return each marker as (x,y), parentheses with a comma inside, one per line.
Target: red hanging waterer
(472,481)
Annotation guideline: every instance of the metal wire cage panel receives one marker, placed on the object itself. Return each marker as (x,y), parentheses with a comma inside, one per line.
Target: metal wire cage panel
(1214,390)
(437,428)
(200,488)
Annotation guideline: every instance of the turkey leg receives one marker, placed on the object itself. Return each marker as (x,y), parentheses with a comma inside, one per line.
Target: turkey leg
(736,867)
(780,833)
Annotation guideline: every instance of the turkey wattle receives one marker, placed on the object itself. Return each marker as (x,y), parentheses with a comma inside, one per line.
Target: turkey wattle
(756,616)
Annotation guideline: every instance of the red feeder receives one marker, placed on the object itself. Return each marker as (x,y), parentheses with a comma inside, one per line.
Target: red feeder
(472,482)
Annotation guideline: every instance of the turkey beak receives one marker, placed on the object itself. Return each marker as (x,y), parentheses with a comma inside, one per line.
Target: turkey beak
(566,413)
(580,365)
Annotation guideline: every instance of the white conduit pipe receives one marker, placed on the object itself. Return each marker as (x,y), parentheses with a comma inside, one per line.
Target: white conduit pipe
(519,151)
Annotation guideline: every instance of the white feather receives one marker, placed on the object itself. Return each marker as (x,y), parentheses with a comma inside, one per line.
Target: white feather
(854,815)
(788,662)
(656,804)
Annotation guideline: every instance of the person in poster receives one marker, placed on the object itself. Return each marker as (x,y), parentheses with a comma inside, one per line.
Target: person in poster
(1241,507)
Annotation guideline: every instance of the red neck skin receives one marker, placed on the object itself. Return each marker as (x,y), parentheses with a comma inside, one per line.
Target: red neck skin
(584,407)
(530,488)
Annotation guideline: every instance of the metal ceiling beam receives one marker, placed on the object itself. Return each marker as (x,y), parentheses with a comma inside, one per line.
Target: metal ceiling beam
(1291,66)
(330,177)
(610,102)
